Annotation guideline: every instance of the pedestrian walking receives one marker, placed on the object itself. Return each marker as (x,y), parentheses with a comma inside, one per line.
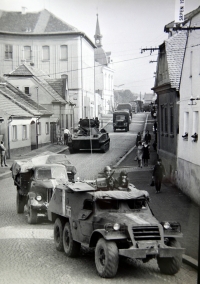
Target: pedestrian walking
(3,154)
(139,154)
(138,138)
(96,122)
(146,154)
(147,137)
(158,174)
(66,136)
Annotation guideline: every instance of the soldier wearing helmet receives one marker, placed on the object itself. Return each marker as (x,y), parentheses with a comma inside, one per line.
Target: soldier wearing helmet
(110,180)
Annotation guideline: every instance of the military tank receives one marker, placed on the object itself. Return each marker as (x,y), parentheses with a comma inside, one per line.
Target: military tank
(89,137)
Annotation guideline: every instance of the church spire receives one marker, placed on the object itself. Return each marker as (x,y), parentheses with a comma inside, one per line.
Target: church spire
(98,35)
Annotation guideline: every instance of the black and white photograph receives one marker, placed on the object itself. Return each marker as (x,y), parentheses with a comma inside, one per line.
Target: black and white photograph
(100,157)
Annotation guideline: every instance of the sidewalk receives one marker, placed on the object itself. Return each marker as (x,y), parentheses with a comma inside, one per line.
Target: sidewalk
(170,205)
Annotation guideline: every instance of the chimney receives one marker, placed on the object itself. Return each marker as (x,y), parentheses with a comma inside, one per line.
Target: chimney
(24,10)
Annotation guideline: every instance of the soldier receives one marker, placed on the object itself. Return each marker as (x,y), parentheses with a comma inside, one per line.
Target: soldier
(110,180)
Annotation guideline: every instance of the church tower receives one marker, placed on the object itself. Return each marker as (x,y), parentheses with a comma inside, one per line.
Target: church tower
(98,35)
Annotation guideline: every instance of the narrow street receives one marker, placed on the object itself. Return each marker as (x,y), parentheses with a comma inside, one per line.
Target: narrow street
(29,252)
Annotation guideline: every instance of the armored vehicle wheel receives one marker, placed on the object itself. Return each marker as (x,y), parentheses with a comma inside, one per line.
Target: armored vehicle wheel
(105,147)
(170,265)
(71,247)
(106,258)
(20,202)
(58,234)
(32,215)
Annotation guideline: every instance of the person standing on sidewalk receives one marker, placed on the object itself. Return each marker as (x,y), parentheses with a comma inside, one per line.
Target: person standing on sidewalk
(146,154)
(147,137)
(66,136)
(3,154)
(139,154)
(138,138)
(158,174)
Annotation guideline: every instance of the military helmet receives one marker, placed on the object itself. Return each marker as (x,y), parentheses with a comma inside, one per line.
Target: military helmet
(107,168)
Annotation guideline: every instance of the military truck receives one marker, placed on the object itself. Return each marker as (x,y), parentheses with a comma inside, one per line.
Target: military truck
(125,106)
(89,137)
(115,223)
(121,120)
(36,178)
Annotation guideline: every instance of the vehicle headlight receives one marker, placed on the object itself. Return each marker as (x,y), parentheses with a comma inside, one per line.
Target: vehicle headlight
(38,197)
(116,227)
(172,226)
(167,226)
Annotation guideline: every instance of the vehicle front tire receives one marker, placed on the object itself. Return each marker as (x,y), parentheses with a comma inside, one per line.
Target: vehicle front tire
(58,234)
(32,215)
(20,202)
(170,265)
(106,258)
(71,247)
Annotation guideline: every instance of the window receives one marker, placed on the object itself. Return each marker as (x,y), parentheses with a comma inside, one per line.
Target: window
(24,132)
(63,52)
(195,125)
(171,120)
(27,52)
(186,122)
(62,120)
(14,132)
(47,127)
(39,128)
(8,51)
(26,90)
(166,120)
(162,118)
(45,53)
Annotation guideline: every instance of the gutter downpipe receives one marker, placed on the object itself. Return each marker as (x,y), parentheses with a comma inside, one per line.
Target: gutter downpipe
(82,77)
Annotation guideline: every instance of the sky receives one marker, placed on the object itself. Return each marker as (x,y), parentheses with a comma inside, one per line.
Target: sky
(127,26)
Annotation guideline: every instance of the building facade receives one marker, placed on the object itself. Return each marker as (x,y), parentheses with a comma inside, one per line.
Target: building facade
(51,45)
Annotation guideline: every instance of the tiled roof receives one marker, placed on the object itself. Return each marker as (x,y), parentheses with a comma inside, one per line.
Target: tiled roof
(175,49)
(21,100)
(11,108)
(187,17)
(34,22)
(56,84)
(40,77)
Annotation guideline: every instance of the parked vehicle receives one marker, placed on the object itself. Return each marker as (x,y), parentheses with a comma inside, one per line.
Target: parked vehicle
(125,106)
(36,179)
(115,223)
(89,137)
(121,120)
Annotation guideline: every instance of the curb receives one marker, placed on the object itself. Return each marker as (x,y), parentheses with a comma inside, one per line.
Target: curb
(190,261)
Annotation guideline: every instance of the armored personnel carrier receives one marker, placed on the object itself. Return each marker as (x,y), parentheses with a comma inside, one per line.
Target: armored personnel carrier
(115,223)
(89,137)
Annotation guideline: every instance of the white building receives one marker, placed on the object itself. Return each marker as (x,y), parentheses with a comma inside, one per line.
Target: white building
(51,45)
(104,76)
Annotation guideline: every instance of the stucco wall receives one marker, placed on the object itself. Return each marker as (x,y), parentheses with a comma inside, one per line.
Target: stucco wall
(188,179)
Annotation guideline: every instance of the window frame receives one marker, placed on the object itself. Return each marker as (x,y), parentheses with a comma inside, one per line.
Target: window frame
(26,47)
(8,52)
(47,128)
(45,50)
(63,58)
(24,137)
(14,132)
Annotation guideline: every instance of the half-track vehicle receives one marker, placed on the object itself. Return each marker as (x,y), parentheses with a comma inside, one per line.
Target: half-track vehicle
(89,137)
(121,120)
(115,223)
(36,179)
